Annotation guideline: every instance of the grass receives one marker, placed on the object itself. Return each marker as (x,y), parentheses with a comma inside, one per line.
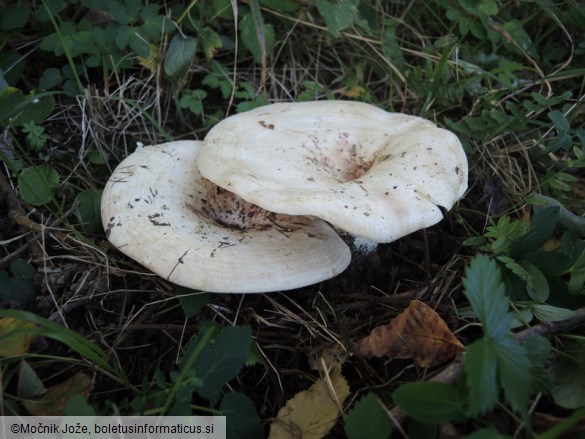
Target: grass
(507,78)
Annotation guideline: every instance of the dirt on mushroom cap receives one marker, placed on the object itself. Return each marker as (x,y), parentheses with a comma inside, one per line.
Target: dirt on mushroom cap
(374,174)
(154,210)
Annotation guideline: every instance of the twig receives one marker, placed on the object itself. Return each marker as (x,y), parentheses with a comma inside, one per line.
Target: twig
(15,206)
(17,215)
(26,223)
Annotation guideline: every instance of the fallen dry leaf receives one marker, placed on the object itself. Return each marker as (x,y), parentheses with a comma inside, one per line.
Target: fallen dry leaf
(418,333)
(12,343)
(312,413)
(54,400)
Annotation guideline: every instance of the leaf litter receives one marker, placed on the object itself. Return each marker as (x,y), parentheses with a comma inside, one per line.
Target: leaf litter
(418,333)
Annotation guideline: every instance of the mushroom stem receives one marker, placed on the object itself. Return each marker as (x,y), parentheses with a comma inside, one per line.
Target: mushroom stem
(360,247)
(363,246)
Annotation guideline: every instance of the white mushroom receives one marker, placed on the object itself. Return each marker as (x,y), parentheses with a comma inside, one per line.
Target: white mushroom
(374,174)
(157,209)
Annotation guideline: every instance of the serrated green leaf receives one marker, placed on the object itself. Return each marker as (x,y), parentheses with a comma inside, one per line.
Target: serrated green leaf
(506,232)
(219,78)
(367,419)
(538,349)
(514,266)
(521,38)
(249,105)
(123,34)
(242,420)
(429,402)
(191,301)
(119,12)
(153,27)
(481,375)
(391,48)
(37,183)
(220,362)
(149,12)
(338,15)
(249,34)
(514,372)
(260,28)
(254,356)
(485,291)
(179,56)
(139,44)
(51,8)
(223,9)
(50,78)
(22,269)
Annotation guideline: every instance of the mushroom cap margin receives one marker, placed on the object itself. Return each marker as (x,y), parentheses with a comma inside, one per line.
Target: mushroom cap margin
(297,159)
(151,211)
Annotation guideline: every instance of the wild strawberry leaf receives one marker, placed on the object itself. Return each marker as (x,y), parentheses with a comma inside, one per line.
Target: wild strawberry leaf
(514,372)
(220,362)
(496,361)
(338,15)
(486,292)
(242,420)
(368,419)
(481,376)
(429,402)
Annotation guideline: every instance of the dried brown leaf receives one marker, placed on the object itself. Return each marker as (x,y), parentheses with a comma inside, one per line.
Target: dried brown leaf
(418,333)
(54,400)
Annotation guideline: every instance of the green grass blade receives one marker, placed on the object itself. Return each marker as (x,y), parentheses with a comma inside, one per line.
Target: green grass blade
(46,328)
(65,47)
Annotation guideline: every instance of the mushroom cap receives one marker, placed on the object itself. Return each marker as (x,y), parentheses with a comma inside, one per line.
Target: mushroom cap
(374,174)
(155,209)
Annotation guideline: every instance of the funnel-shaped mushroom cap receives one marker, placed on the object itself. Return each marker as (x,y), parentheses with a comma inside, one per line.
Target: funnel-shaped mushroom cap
(374,174)
(157,209)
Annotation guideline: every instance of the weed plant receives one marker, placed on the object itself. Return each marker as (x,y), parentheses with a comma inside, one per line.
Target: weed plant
(83,83)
